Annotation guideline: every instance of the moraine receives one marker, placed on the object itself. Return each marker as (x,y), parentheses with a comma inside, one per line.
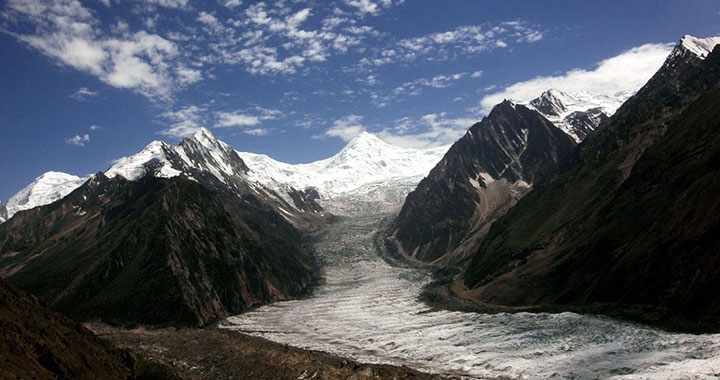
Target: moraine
(369,310)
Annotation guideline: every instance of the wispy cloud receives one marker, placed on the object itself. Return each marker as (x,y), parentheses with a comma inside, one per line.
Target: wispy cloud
(78,140)
(622,74)
(345,128)
(184,122)
(236,119)
(415,87)
(84,93)
(462,41)
(429,130)
(372,7)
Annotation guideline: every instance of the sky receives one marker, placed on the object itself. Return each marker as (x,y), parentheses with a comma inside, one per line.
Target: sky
(83,83)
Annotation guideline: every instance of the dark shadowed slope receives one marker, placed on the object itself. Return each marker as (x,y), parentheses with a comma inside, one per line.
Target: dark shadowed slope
(38,343)
(635,221)
(154,251)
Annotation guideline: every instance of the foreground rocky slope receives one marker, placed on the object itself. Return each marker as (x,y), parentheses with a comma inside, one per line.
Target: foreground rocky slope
(39,343)
(635,220)
(481,176)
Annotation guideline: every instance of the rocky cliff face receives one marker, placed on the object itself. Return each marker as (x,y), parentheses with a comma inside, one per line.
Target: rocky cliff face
(479,178)
(154,251)
(634,221)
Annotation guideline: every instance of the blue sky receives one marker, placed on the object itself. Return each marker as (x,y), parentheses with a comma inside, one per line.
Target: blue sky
(84,83)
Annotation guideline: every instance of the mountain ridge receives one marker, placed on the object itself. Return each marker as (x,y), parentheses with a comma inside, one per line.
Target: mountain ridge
(627,223)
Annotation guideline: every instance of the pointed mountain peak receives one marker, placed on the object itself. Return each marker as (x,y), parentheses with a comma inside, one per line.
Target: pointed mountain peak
(365,139)
(204,134)
(701,47)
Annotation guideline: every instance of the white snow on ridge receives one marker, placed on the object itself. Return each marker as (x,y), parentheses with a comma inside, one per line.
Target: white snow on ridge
(45,189)
(134,167)
(557,106)
(699,46)
(352,175)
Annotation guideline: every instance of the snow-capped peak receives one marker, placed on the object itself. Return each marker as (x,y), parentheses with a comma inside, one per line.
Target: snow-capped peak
(152,159)
(206,138)
(701,47)
(45,189)
(366,169)
(578,113)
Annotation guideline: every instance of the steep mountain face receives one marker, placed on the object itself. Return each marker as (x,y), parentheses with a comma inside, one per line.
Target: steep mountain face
(154,251)
(45,189)
(635,220)
(578,114)
(481,176)
(368,175)
(38,343)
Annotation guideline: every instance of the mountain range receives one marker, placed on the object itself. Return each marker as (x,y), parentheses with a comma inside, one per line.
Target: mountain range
(171,235)
(631,222)
(522,195)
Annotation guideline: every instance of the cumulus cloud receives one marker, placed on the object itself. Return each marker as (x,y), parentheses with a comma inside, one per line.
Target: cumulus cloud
(345,128)
(620,75)
(78,140)
(68,32)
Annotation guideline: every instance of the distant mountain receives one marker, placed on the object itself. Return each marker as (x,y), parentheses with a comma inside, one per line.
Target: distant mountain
(578,114)
(39,343)
(3,212)
(635,221)
(45,189)
(479,178)
(174,234)
(202,158)
(368,175)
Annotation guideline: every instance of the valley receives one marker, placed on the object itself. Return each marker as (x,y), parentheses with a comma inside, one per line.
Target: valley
(368,310)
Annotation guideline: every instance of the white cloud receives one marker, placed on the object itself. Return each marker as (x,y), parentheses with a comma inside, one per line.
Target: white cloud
(247,118)
(476,74)
(95,127)
(184,122)
(69,33)
(187,75)
(466,40)
(83,93)
(180,4)
(235,119)
(430,130)
(371,7)
(256,131)
(79,140)
(415,87)
(622,74)
(232,3)
(345,128)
